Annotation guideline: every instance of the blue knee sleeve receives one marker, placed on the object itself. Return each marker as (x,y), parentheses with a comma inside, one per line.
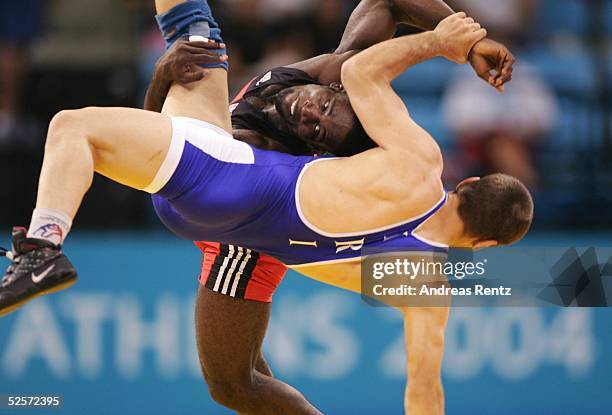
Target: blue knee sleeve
(192,17)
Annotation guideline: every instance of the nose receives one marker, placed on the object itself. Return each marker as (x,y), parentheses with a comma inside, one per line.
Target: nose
(309,112)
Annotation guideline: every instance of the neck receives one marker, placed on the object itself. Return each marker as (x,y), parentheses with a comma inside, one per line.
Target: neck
(444,226)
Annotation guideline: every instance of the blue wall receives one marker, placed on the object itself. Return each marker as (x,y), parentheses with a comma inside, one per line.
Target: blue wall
(121,341)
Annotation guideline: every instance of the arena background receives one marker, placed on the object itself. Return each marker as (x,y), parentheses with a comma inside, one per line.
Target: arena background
(121,340)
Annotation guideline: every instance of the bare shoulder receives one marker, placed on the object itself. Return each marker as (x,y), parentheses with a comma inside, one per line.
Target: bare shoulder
(415,168)
(396,176)
(414,181)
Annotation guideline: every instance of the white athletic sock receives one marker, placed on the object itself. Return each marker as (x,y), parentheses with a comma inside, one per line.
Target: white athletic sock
(50,225)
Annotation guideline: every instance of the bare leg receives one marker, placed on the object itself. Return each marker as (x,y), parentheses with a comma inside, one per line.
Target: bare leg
(230,331)
(125,145)
(162,6)
(194,100)
(229,334)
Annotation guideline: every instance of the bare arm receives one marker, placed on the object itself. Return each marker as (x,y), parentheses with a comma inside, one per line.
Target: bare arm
(156,93)
(367,78)
(424,329)
(372,22)
(181,64)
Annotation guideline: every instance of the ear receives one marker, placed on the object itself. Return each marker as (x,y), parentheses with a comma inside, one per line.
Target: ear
(336,86)
(484,244)
(467,181)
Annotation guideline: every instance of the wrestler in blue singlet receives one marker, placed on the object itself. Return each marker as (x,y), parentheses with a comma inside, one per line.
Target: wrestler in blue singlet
(212,187)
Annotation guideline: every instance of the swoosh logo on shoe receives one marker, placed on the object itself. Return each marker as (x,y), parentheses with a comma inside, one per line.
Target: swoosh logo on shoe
(38,278)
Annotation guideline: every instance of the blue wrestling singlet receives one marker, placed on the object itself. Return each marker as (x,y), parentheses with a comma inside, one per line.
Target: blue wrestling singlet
(212,187)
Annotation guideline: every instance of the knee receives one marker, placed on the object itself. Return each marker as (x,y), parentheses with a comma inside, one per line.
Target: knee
(66,127)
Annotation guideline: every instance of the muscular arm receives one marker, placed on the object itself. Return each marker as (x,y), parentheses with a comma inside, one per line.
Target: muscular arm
(157,92)
(372,22)
(367,79)
(375,21)
(424,329)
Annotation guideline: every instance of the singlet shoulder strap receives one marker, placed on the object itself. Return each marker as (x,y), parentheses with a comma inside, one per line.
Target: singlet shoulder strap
(432,211)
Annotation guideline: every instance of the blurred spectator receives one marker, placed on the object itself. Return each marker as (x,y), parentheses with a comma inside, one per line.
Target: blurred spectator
(507,21)
(291,42)
(277,10)
(20,22)
(498,132)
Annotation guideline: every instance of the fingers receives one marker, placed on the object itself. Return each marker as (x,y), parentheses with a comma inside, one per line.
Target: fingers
(471,24)
(505,69)
(191,48)
(202,59)
(199,51)
(483,69)
(196,54)
(206,45)
(486,76)
(199,42)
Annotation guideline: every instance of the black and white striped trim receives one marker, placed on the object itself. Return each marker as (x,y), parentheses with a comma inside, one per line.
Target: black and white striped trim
(232,270)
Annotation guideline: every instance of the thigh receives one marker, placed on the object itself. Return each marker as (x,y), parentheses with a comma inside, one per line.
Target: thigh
(128,145)
(162,6)
(345,275)
(229,333)
(206,100)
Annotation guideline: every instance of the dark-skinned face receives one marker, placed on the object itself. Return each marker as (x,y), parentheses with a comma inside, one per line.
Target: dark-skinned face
(319,115)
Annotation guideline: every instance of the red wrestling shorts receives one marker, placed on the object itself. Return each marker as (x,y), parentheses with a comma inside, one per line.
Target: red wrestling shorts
(240,272)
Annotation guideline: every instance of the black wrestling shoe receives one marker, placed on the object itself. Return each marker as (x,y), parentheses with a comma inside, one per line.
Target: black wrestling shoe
(38,268)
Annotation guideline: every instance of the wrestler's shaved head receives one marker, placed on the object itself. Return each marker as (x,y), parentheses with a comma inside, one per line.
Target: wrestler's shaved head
(496,208)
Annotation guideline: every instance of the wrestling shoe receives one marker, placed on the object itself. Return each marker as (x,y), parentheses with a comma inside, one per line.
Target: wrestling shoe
(38,267)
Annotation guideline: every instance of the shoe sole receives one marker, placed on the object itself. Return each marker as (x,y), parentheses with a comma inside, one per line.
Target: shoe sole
(14,307)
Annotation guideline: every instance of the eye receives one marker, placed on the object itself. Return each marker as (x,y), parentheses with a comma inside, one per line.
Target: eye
(317,129)
(326,106)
